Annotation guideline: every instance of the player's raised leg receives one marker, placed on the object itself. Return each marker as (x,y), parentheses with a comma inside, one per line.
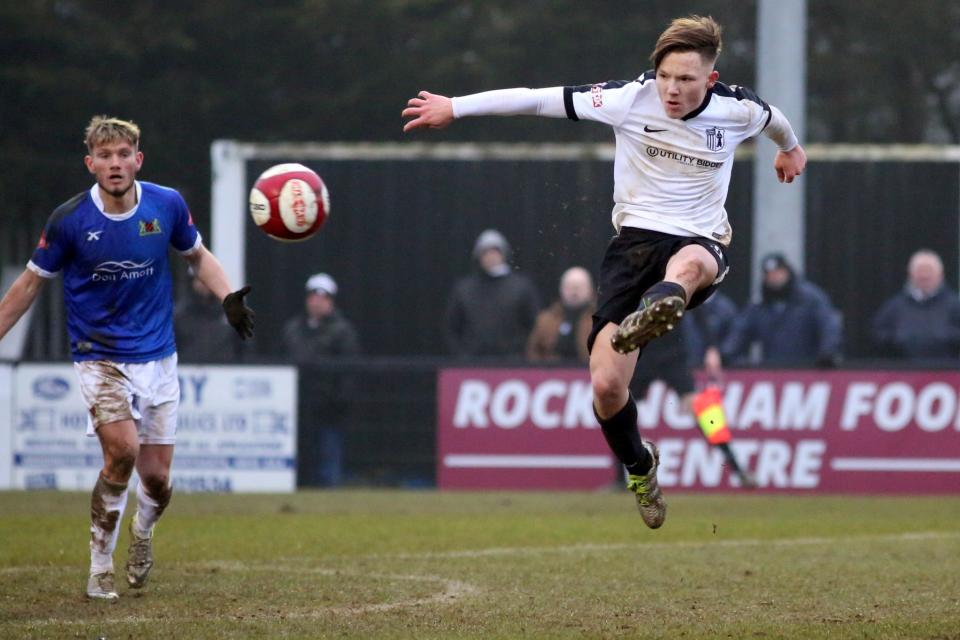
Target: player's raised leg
(690,269)
(120,448)
(616,411)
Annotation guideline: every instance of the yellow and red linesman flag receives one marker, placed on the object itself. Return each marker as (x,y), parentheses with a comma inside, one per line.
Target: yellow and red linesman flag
(708,408)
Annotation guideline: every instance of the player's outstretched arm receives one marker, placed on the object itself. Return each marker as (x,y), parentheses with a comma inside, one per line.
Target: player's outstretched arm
(428,111)
(790,164)
(18,299)
(210,272)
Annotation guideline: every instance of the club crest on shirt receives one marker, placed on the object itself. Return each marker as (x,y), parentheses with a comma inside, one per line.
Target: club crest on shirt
(149,228)
(716,138)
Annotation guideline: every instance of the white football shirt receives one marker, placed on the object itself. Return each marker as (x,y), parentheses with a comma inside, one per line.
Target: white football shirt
(670,175)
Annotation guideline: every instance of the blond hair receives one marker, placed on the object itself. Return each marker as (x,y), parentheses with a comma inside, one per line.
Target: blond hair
(106,130)
(693,33)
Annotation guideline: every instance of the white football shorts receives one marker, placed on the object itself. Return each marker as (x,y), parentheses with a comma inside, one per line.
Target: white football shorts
(146,392)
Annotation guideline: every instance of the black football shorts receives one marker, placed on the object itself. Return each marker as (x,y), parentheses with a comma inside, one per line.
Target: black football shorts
(635,260)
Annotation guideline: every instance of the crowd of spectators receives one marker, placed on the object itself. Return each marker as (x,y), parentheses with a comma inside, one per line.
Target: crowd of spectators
(792,322)
(494,314)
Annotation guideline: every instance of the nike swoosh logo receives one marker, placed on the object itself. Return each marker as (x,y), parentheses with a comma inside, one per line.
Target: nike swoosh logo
(649,130)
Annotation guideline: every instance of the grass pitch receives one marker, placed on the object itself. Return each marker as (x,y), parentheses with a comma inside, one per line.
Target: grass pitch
(394,564)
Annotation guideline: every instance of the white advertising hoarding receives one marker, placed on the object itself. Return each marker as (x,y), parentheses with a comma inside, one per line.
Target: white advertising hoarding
(236,430)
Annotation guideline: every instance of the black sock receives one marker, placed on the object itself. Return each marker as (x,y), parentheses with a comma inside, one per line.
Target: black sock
(623,438)
(661,290)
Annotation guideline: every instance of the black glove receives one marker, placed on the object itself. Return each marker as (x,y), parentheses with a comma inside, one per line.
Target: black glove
(239,315)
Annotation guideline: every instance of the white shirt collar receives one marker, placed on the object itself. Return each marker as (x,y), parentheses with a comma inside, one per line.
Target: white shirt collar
(97,200)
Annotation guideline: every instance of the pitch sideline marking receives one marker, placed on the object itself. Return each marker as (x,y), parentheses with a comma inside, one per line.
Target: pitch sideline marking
(452,590)
(236,565)
(690,544)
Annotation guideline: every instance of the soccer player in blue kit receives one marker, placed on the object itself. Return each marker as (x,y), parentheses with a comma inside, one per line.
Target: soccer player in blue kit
(676,129)
(111,245)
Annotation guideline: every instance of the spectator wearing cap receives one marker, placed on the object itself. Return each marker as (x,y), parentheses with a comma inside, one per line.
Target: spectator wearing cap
(793,324)
(921,323)
(311,339)
(490,312)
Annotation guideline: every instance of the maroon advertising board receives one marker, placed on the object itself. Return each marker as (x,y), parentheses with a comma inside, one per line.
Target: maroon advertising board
(796,431)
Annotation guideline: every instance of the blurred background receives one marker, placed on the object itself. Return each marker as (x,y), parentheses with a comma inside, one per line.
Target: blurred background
(877,72)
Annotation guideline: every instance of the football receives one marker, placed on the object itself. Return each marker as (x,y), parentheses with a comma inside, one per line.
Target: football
(289,202)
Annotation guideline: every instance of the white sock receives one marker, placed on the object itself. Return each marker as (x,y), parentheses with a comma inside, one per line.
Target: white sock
(149,510)
(106,510)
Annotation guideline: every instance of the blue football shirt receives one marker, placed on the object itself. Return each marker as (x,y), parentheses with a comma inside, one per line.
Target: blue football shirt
(116,275)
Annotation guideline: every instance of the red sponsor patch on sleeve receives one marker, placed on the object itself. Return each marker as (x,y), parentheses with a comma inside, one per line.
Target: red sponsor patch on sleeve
(596,92)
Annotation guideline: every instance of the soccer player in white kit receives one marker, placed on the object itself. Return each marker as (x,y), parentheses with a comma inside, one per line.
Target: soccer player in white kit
(676,130)
(111,243)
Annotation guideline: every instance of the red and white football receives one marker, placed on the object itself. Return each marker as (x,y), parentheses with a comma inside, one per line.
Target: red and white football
(289,202)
